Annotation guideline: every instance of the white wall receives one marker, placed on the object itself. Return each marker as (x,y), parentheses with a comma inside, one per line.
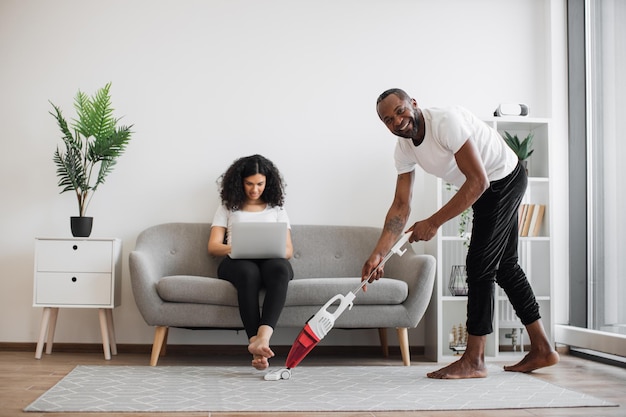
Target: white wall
(205,82)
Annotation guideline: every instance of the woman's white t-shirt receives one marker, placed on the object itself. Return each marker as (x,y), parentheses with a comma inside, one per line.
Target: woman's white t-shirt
(225,218)
(447,129)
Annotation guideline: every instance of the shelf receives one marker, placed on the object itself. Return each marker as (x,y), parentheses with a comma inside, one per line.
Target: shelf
(535,238)
(455,298)
(504,298)
(453,238)
(535,255)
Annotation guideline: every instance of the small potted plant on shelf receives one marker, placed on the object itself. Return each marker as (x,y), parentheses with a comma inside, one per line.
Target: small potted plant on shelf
(464,221)
(522,148)
(93,142)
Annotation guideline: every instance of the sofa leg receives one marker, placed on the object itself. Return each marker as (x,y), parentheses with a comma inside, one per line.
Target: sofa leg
(382,335)
(403,338)
(160,337)
(164,345)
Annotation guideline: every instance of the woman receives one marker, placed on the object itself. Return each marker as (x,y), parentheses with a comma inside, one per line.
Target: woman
(252,190)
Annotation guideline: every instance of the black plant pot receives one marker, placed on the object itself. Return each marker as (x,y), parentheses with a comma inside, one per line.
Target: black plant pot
(81,226)
(525,165)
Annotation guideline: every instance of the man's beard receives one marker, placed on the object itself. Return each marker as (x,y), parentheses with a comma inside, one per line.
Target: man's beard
(412,134)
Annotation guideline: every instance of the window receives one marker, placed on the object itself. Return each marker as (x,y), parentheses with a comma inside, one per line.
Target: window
(597,91)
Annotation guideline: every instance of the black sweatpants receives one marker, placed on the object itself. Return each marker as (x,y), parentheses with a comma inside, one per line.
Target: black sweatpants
(249,276)
(492,255)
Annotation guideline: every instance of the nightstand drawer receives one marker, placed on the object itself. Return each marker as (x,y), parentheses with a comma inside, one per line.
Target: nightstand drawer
(73,289)
(74,255)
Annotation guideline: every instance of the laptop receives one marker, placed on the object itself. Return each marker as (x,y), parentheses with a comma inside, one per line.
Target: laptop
(258,240)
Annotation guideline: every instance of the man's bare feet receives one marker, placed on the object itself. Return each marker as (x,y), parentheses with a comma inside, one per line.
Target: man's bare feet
(535,359)
(470,365)
(461,369)
(541,352)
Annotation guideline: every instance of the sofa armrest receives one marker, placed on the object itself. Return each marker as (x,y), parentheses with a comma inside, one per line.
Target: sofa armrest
(418,271)
(143,278)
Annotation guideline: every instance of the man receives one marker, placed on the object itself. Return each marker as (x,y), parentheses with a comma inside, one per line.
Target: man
(453,144)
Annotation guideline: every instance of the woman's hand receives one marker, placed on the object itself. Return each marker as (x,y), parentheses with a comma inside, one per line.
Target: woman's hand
(216,245)
(289,249)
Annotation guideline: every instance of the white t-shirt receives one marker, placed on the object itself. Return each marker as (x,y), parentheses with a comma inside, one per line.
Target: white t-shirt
(447,129)
(225,218)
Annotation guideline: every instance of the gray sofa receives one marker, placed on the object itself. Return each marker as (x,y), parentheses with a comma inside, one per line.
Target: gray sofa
(175,284)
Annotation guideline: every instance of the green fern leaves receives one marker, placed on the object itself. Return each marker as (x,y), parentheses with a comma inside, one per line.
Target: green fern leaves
(91,151)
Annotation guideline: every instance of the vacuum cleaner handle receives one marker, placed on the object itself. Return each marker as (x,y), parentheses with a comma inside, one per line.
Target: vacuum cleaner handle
(396,248)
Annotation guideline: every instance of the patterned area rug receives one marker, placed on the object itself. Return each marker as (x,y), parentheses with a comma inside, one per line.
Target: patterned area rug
(316,388)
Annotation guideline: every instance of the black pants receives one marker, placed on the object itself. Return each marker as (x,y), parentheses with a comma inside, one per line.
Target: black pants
(249,276)
(492,255)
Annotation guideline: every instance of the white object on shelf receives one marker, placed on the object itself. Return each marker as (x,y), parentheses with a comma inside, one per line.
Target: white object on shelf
(511,109)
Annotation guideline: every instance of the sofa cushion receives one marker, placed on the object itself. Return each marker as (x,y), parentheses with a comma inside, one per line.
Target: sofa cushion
(197,290)
(317,291)
(302,292)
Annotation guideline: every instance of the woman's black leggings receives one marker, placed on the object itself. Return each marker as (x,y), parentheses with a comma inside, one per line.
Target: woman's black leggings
(249,276)
(492,255)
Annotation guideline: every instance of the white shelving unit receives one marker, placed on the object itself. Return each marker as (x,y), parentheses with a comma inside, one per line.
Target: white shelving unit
(446,310)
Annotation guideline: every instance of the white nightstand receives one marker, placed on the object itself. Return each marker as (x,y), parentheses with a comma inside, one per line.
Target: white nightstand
(77,273)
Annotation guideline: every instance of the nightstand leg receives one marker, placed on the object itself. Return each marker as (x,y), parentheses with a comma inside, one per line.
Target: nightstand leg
(45,318)
(104,330)
(52,325)
(111,327)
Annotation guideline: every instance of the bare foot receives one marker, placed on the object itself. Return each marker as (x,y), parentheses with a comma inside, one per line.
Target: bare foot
(261,352)
(461,369)
(260,362)
(535,359)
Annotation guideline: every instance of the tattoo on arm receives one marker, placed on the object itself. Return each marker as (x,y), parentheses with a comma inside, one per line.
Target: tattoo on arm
(394,225)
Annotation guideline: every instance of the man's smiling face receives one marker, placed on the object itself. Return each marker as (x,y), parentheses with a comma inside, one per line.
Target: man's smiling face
(400,116)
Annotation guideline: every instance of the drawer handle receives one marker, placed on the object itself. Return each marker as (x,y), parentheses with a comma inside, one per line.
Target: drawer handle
(73,279)
(75,247)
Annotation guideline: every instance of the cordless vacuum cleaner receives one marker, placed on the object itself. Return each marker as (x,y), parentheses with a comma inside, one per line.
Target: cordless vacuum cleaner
(318,326)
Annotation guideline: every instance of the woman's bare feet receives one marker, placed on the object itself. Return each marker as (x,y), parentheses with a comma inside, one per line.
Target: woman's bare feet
(260,362)
(259,347)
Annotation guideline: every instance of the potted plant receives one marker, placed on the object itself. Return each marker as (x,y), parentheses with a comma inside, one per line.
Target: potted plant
(93,142)
(522,148)
(464,221)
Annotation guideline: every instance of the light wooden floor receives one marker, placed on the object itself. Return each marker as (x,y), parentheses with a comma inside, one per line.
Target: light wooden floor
(23,379)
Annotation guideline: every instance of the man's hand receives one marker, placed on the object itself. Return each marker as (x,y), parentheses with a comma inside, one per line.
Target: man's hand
(370,267)
(423,230)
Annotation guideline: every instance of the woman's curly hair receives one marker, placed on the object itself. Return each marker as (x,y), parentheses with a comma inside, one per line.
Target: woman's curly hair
(231,182)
